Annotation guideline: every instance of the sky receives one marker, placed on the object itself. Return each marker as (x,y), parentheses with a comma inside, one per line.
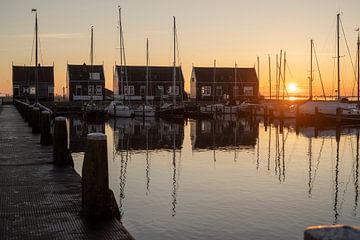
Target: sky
(229,31)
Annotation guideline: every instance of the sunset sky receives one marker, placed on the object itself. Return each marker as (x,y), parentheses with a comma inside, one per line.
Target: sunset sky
(228,31)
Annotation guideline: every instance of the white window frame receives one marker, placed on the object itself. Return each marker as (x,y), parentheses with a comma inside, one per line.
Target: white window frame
(32,90)
(221,92)
(170,90)
(95,76)
(76,90)
(98,90)
(161,90)
(248,91)
(129,91)
(90,90)
(205,91)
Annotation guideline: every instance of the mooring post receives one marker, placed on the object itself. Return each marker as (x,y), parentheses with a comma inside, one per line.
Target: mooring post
(35,120)
(45,135)
(29,113)
(62,155)
(338,115)
(332,232)
(98,200)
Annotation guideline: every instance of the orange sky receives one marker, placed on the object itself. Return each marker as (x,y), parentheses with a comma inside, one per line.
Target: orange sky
(227,31)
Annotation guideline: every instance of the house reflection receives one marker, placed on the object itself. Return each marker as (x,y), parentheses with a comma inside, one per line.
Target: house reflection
(215,134)
(79,129)
(147,134)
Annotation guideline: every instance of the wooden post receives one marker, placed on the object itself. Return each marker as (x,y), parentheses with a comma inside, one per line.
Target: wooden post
(35,120)
(98,200)
(62,155)
(29,114)
(338,115)
(45,135)
(332,232)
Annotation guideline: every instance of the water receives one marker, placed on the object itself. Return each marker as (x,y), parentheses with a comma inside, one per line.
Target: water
(227,179)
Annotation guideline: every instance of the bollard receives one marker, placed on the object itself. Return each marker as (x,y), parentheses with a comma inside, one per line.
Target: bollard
(45,135)
(29,115)
(62,155)
(332,232)
(36,120)
(338,115)
(98,200)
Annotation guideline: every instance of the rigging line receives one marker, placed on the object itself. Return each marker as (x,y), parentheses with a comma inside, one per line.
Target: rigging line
(351,60)
(318,67)
(32,48)
(41,54)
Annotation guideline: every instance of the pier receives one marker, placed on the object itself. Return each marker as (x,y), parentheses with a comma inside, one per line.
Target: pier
(40,200)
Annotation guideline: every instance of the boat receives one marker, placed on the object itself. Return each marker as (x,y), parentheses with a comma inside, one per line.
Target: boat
(146,110)
(173,109)
(118,109)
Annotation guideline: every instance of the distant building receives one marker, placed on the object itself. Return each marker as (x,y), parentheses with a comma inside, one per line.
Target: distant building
(219,84)
(24,83)
(160,83)
(85,82)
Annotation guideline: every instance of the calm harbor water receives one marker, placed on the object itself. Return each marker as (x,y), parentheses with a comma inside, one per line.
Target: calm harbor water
(227,179)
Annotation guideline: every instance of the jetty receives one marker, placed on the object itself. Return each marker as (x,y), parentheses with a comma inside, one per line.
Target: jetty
(40,200)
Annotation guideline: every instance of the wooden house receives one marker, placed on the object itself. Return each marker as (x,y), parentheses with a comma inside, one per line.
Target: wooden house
(85,82)
(223,84)
(132,83)
(24,83)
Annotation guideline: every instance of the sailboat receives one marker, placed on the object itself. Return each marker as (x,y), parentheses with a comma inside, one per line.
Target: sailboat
(328,109)
(146,110)
(118,108)
(173,109)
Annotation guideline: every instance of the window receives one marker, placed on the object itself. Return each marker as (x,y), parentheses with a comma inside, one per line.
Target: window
(206,90)
(78,90)
(98,90)
(142,90)
(170,90)
(50,91)
(90,90)
(236,91)
(32,90)
(16,91)
(248,91)
(218,90)
(94,76)
(129,90)
(161,90)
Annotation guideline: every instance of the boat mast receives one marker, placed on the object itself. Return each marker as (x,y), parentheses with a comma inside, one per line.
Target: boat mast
(236,88)
(311,69)
(279,79)
(338,53)
(269,77)
(174,76)
(36,56)
(284,88)
(276,75)
(358,66)
(91,62)
(258,70)
(147,71)
(121,54)
(213,90)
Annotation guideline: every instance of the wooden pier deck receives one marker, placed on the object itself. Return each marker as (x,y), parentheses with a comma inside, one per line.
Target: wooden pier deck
(38,200)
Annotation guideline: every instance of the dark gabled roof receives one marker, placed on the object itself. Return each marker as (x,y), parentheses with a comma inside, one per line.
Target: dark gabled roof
(156,73)
(81,72)
(27,74)
(225,74)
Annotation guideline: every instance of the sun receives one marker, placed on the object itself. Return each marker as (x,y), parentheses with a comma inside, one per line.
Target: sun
(292,87)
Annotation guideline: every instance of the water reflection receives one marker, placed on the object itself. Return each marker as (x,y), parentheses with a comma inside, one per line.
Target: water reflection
(309,166)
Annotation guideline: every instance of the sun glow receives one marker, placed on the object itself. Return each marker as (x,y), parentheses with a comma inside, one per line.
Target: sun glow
(292,88)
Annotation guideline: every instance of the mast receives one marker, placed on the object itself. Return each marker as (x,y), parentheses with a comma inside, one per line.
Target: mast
(338,53)
(147,71)
(174,76)
(283,97)
(279,79)
(213,90)
(269,77)
(91,62)
(121,54)
(36,55)
(276,74)
(358,66)
(258,70)
(236,88)
(311,69)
